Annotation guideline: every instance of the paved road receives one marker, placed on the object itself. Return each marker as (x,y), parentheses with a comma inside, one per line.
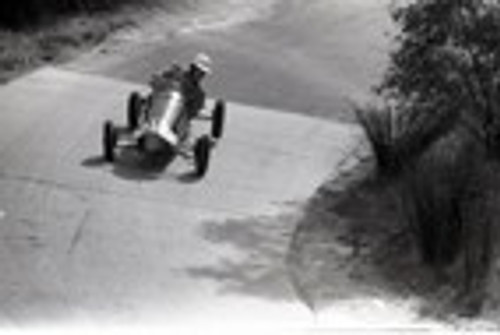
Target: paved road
(83,241)
(311,57)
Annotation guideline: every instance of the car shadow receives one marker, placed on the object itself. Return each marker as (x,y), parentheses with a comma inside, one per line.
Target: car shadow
(132,164)
(189,177)
(94,162)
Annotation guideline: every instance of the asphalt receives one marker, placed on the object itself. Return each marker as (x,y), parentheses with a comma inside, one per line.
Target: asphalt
(85,242)
(314,58)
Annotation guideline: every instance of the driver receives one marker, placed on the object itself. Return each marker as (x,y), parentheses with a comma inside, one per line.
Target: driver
(191,87)
(189,84)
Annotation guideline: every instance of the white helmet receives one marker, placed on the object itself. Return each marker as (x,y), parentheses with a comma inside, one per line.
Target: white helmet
(203,62)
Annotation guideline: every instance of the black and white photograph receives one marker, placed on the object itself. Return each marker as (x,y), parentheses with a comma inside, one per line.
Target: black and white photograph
(276,167)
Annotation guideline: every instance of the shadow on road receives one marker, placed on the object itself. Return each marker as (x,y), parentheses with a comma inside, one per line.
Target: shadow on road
(258,267)
(131,164)
(342,245)
(94,162)
(188,177)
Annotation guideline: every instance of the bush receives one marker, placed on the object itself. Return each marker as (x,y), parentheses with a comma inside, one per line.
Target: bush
(447,58)
(435,192)
(398,139)
(445,198)
(439,128)
(379,129)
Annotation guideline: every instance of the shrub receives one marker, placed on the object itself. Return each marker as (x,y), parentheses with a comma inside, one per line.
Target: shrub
(439,128)
(445,199)
(379,129)
(447,58)
(398,139)
(434,195)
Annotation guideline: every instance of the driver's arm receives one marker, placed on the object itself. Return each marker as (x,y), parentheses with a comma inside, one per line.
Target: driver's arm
(195,99)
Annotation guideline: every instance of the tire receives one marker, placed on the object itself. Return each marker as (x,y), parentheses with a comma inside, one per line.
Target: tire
(134,109)
(202,155)
(109,141)
(218,119)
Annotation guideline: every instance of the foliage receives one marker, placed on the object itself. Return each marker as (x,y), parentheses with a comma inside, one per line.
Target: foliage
(435,195)
(399,139)
(448,60)
(440,127)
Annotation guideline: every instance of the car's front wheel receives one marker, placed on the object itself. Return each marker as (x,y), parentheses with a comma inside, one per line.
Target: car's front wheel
(202,149)
(134,109)
(109,141)
(218,119)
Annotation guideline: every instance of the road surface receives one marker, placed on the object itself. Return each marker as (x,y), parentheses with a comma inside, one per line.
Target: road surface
(314,58)
(86,242)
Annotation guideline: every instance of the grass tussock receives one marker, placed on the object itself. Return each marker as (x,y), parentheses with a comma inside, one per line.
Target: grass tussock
(398,139)
(435,193)
(448,200)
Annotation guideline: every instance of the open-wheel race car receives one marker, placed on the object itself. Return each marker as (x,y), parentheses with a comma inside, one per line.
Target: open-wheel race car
(159,123)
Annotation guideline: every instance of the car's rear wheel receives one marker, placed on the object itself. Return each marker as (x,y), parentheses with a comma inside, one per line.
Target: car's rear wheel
(110,138)
(218,119)
(202,155)
(134,109)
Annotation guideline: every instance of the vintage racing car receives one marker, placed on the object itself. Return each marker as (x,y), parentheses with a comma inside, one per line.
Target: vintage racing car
(159,124)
